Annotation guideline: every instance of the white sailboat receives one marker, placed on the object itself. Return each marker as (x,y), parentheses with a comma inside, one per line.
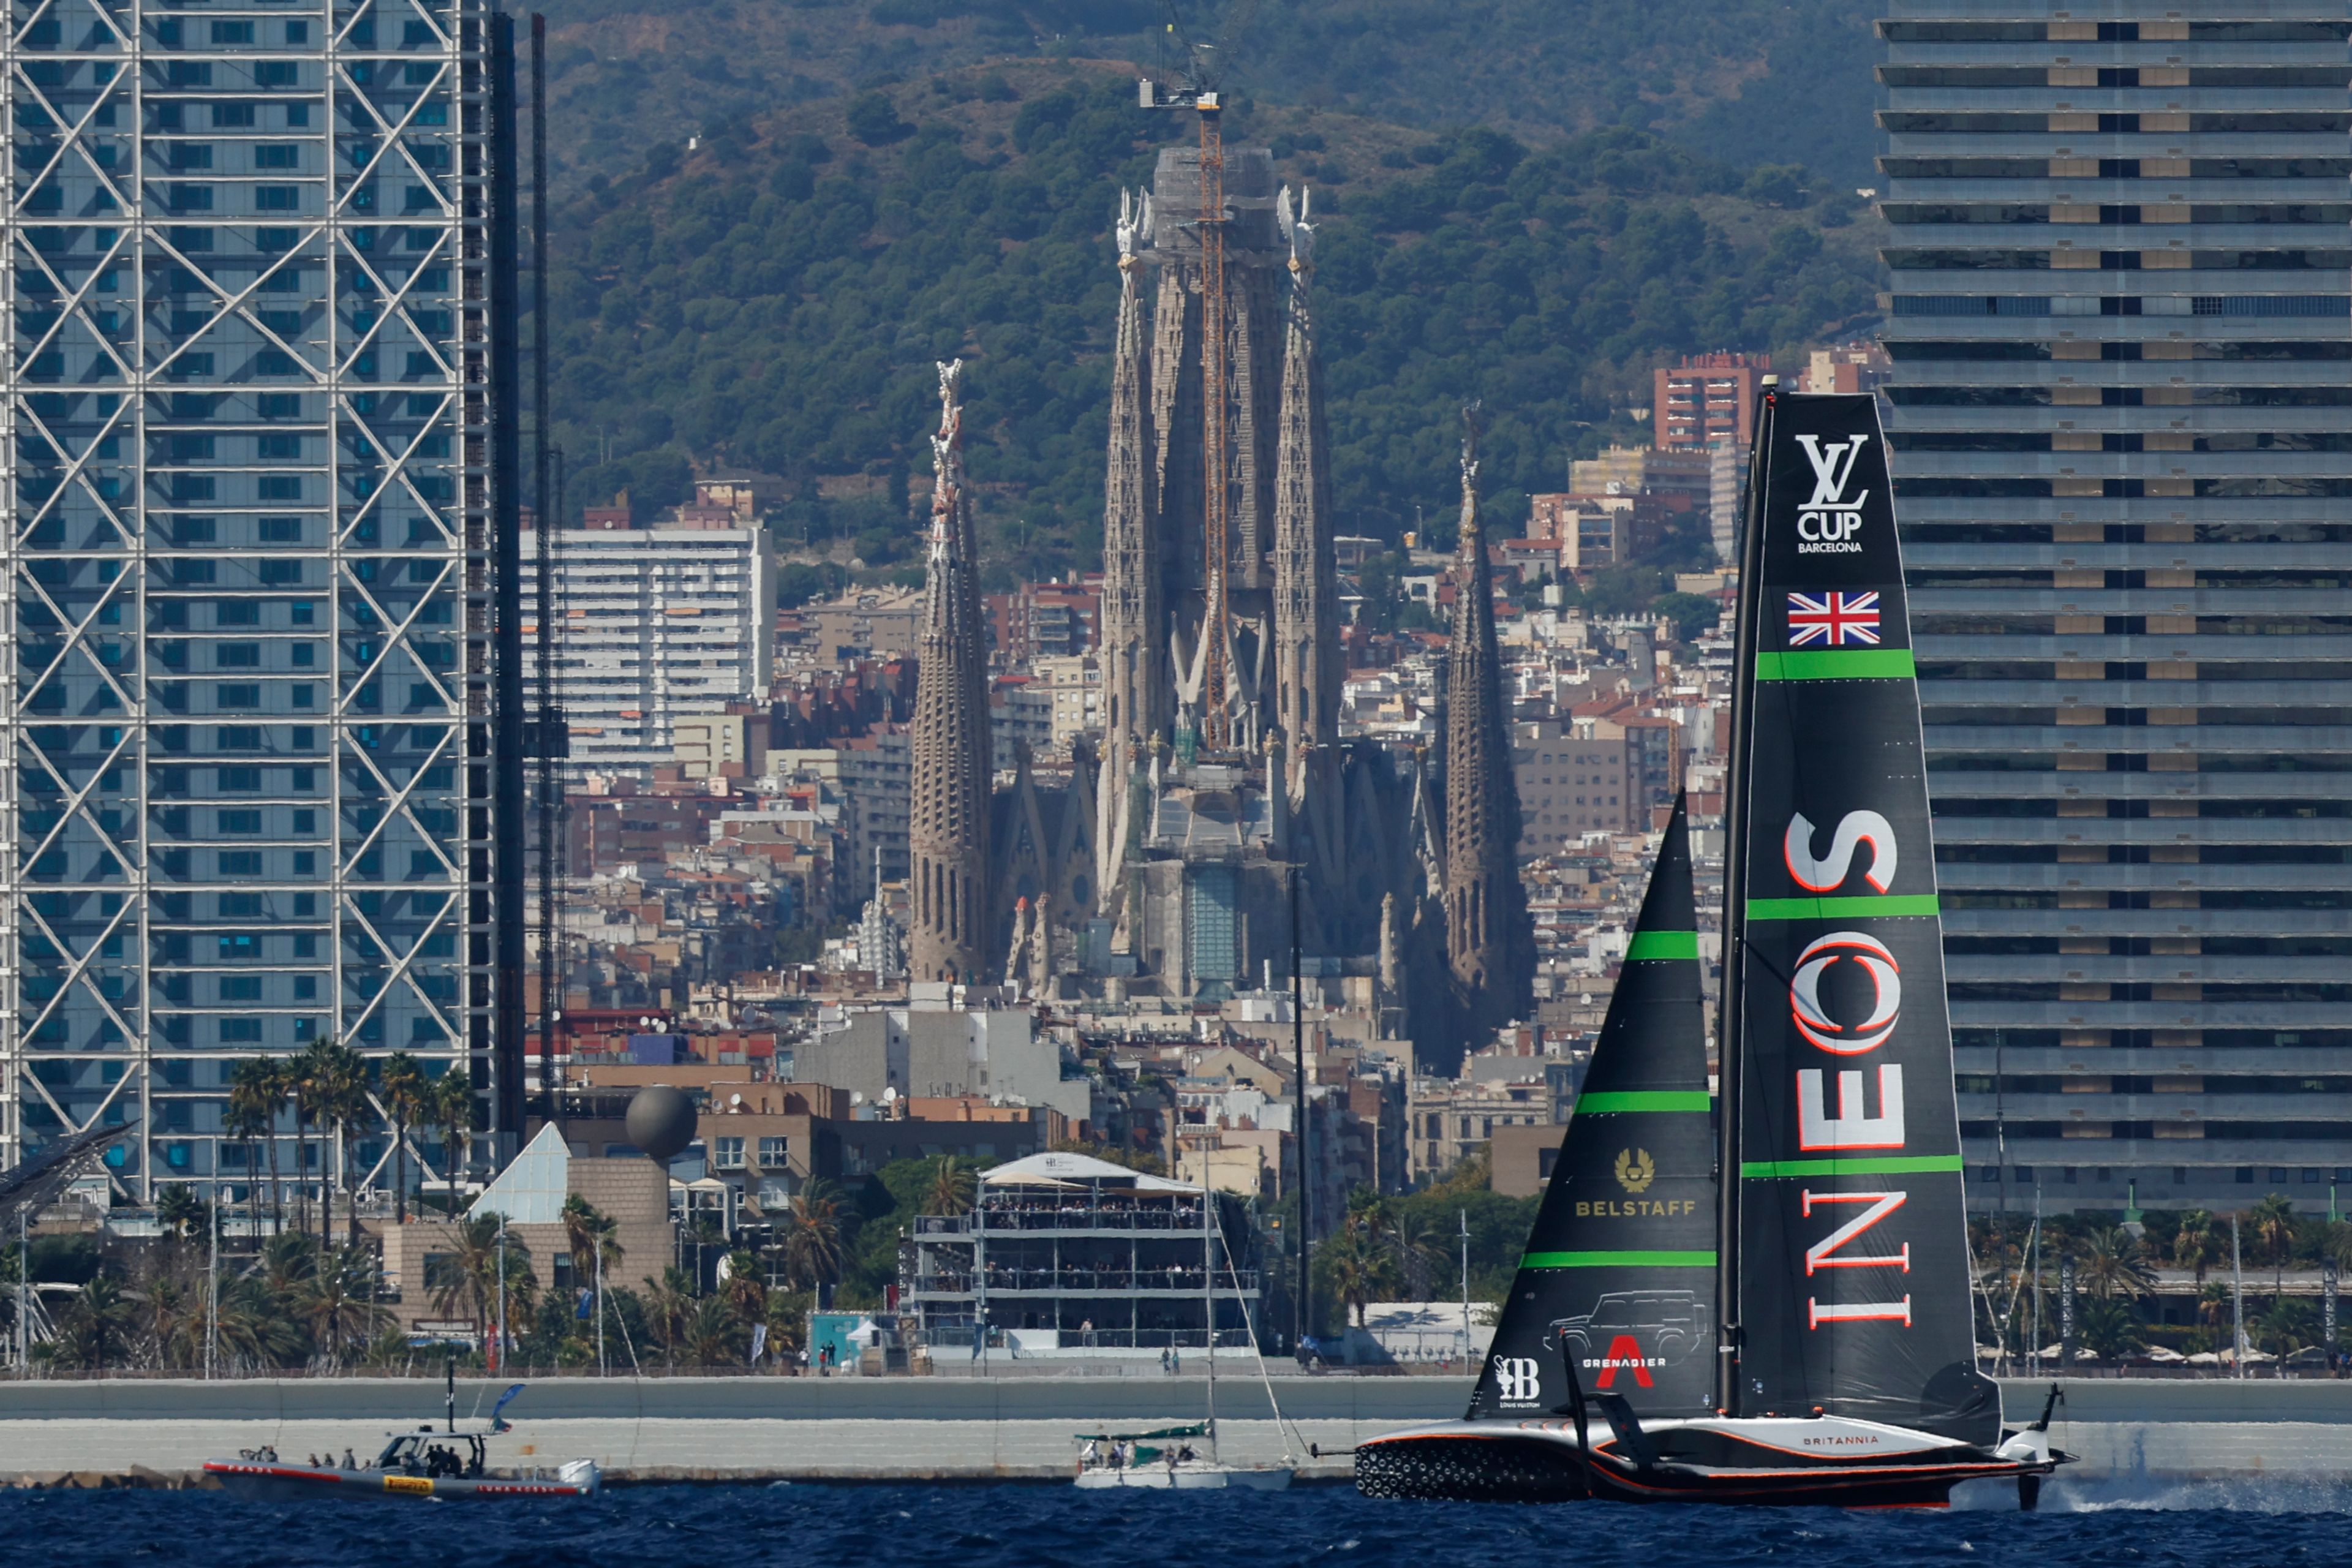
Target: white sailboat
(1129,1461)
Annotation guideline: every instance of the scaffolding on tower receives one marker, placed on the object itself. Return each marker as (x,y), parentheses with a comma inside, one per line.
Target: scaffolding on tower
(1197,90)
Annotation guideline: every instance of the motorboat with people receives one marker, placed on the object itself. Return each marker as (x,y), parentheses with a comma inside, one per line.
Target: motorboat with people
(1762,1294)
(428,1462)
(1164,1460)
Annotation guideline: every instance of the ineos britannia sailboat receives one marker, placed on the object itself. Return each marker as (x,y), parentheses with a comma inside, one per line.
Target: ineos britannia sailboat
(1800,1332)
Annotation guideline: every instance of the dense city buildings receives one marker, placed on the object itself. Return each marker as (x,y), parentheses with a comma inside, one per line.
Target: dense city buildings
(260,726)
(2117,327)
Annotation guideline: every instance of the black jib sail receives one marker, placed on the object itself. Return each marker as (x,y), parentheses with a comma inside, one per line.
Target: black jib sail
(1620,1268)
(1846,1248)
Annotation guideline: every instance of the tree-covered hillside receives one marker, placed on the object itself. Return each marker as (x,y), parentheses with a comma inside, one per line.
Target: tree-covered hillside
(776,300)
(1747,80)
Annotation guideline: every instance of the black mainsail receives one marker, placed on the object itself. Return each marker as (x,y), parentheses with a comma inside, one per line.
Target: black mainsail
(1845,1253)
(1619,1266)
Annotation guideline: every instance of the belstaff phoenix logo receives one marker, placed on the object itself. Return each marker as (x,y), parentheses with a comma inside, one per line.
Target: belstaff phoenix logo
(1830,523)
(1813,1020)
(1635,1170)
(1516,1380)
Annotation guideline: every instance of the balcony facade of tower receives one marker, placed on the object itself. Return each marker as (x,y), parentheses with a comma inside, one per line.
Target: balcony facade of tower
(260,735)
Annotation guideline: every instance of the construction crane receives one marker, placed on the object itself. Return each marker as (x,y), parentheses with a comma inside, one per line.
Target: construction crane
(1197,89)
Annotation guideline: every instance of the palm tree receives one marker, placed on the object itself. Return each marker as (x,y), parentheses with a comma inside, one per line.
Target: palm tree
(1420,1247)
(2195,1246)
(787,1321)
(2336,1245)
(813,1235)
(179,1211)
(254,1094)
(2111,1262)
(173,1322)
(344,1102)
(588,1232)
(746,1291)
(1357,1261)
(2288,1325)
(408,1095)
(337,1302)
(473,1274)
(2111,1329)
(253,1325)
(2273,1223)
(711,1333)
(95,1324)
(669,1304)
(453,1112)
(950,1188)
(309,1080)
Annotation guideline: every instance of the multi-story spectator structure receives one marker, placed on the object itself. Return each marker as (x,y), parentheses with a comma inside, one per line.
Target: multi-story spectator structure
(1065,1255)
(260,435)
(2122,365)
(655,624)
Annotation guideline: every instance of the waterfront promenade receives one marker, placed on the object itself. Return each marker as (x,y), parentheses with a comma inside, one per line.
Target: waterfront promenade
(976,1429)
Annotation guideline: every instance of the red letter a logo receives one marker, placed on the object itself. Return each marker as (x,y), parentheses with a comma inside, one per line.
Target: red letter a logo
(1625,1350)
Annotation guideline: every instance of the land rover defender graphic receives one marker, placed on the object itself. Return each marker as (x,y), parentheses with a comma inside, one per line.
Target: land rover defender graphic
(1670,1326)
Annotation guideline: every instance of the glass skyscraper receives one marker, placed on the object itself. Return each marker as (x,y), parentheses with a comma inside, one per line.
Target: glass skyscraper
(2122,376)
(259,433)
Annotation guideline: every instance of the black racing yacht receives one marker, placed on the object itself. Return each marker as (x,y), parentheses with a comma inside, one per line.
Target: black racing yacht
(1764,1298)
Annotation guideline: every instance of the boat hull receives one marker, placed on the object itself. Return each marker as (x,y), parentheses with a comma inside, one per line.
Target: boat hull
(283,1483)
(1186,1478)
(1821,1463)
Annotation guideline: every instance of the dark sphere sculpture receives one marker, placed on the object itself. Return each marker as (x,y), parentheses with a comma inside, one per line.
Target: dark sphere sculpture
(660,1122)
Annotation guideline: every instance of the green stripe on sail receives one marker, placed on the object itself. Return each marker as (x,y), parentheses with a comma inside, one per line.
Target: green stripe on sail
(1663,944)
(1618,1260)
(1646,1099)
(1865,1165)
(1863,906)
(1837,664)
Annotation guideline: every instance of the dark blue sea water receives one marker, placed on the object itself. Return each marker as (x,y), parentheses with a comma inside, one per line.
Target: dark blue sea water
(1060,1527)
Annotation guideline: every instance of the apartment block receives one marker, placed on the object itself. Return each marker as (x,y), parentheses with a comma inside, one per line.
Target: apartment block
(2118,323)
(1707,398)
(654,625)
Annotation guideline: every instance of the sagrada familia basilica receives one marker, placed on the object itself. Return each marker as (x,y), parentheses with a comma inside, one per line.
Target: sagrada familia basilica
(1222,804)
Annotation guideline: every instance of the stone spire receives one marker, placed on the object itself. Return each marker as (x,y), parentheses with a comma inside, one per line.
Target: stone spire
(1306,584)
(1488,944)
(1135,683)
(948,830)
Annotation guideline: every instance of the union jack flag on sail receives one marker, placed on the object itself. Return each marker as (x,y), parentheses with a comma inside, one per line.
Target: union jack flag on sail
(1833,620)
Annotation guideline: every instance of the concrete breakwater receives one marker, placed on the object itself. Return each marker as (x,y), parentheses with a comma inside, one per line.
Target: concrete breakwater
(974,1429)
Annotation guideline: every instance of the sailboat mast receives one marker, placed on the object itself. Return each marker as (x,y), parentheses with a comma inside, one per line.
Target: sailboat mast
(1208,1302)
(1727,1034)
